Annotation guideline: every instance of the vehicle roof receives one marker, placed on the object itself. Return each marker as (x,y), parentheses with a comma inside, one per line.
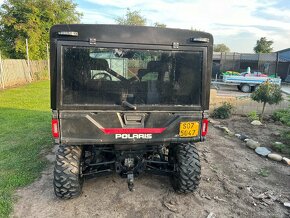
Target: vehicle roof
(129,34)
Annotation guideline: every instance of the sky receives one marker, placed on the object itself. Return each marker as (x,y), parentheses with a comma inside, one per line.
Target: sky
(238,24)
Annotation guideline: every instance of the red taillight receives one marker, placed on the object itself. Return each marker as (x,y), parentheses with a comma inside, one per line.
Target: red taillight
(54,128)
(204,127)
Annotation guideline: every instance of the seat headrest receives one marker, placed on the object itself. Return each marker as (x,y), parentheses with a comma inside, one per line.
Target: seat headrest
(157,66)
(99,64)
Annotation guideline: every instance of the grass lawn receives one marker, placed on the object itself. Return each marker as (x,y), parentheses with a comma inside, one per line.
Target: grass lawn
(24,132)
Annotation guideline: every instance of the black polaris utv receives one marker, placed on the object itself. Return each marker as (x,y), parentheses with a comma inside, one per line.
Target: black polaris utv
(128,99)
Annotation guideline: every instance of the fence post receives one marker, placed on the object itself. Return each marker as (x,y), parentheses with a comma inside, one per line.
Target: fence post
(222,63)
(28,62)
(1,72)
(259,57)
(234,61)
(277,64)
(48,63)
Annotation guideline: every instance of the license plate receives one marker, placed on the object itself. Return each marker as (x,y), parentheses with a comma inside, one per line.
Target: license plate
(188,129)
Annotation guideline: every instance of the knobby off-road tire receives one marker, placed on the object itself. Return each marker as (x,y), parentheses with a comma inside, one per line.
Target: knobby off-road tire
(187,167)
(67,180)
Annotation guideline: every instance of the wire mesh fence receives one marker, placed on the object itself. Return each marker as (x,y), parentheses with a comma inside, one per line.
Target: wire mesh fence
(269,64)
(265,63)
(17,71)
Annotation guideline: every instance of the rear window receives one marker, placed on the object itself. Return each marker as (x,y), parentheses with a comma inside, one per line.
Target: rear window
(109,76)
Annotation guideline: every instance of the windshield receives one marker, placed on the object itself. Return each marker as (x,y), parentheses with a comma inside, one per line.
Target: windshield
(111,76)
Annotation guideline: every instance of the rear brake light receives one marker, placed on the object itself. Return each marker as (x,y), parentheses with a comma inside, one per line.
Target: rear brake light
(204,127)
(54,128)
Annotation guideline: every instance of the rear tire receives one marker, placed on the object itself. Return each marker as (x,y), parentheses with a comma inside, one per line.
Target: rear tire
(246,88)
(67,172)
(185,160)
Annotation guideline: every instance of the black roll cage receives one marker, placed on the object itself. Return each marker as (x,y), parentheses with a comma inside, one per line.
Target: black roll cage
(131,37)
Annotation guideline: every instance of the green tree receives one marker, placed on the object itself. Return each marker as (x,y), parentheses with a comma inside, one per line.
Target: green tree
(263,45)
(157,24)
(32,19)
(221,48)
(133,18)
(194,29)
(267,93)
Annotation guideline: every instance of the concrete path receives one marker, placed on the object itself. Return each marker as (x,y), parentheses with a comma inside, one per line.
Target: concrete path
(286,88)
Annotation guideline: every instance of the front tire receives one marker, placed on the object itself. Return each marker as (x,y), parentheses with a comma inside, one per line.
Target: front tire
(67,172)
(185,160)
(254,88)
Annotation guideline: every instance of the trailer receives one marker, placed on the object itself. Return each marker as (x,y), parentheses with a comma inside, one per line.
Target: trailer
(245,83)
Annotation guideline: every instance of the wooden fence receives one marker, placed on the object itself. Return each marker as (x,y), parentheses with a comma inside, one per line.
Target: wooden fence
(17,71)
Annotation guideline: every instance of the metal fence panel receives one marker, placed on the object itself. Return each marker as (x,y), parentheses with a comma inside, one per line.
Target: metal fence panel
(265,63)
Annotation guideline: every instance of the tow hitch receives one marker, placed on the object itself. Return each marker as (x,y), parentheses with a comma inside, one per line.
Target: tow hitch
(130,181)
(129,164)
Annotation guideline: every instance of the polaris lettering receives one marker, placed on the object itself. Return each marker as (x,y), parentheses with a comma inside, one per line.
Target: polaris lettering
(133,136)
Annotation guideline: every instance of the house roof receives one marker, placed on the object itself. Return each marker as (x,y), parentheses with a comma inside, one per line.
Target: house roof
(284,55)
(284,50)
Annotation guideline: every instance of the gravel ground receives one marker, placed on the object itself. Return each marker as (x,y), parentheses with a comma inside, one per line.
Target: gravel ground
(231,186)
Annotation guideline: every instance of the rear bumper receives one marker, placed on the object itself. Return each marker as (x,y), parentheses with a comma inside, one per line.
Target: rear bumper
(87,141)
(101,128)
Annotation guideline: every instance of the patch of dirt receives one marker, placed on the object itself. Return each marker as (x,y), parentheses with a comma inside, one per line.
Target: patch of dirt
(266,134)
(230,187)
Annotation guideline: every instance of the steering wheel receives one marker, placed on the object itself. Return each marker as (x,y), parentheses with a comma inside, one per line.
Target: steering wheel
(102,76)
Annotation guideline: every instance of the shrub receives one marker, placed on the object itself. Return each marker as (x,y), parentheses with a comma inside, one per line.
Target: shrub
(223,112)
(286,136)
(279,147)
(282,116)
(264,172)
(253,115)
(286,139)
(267,93)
